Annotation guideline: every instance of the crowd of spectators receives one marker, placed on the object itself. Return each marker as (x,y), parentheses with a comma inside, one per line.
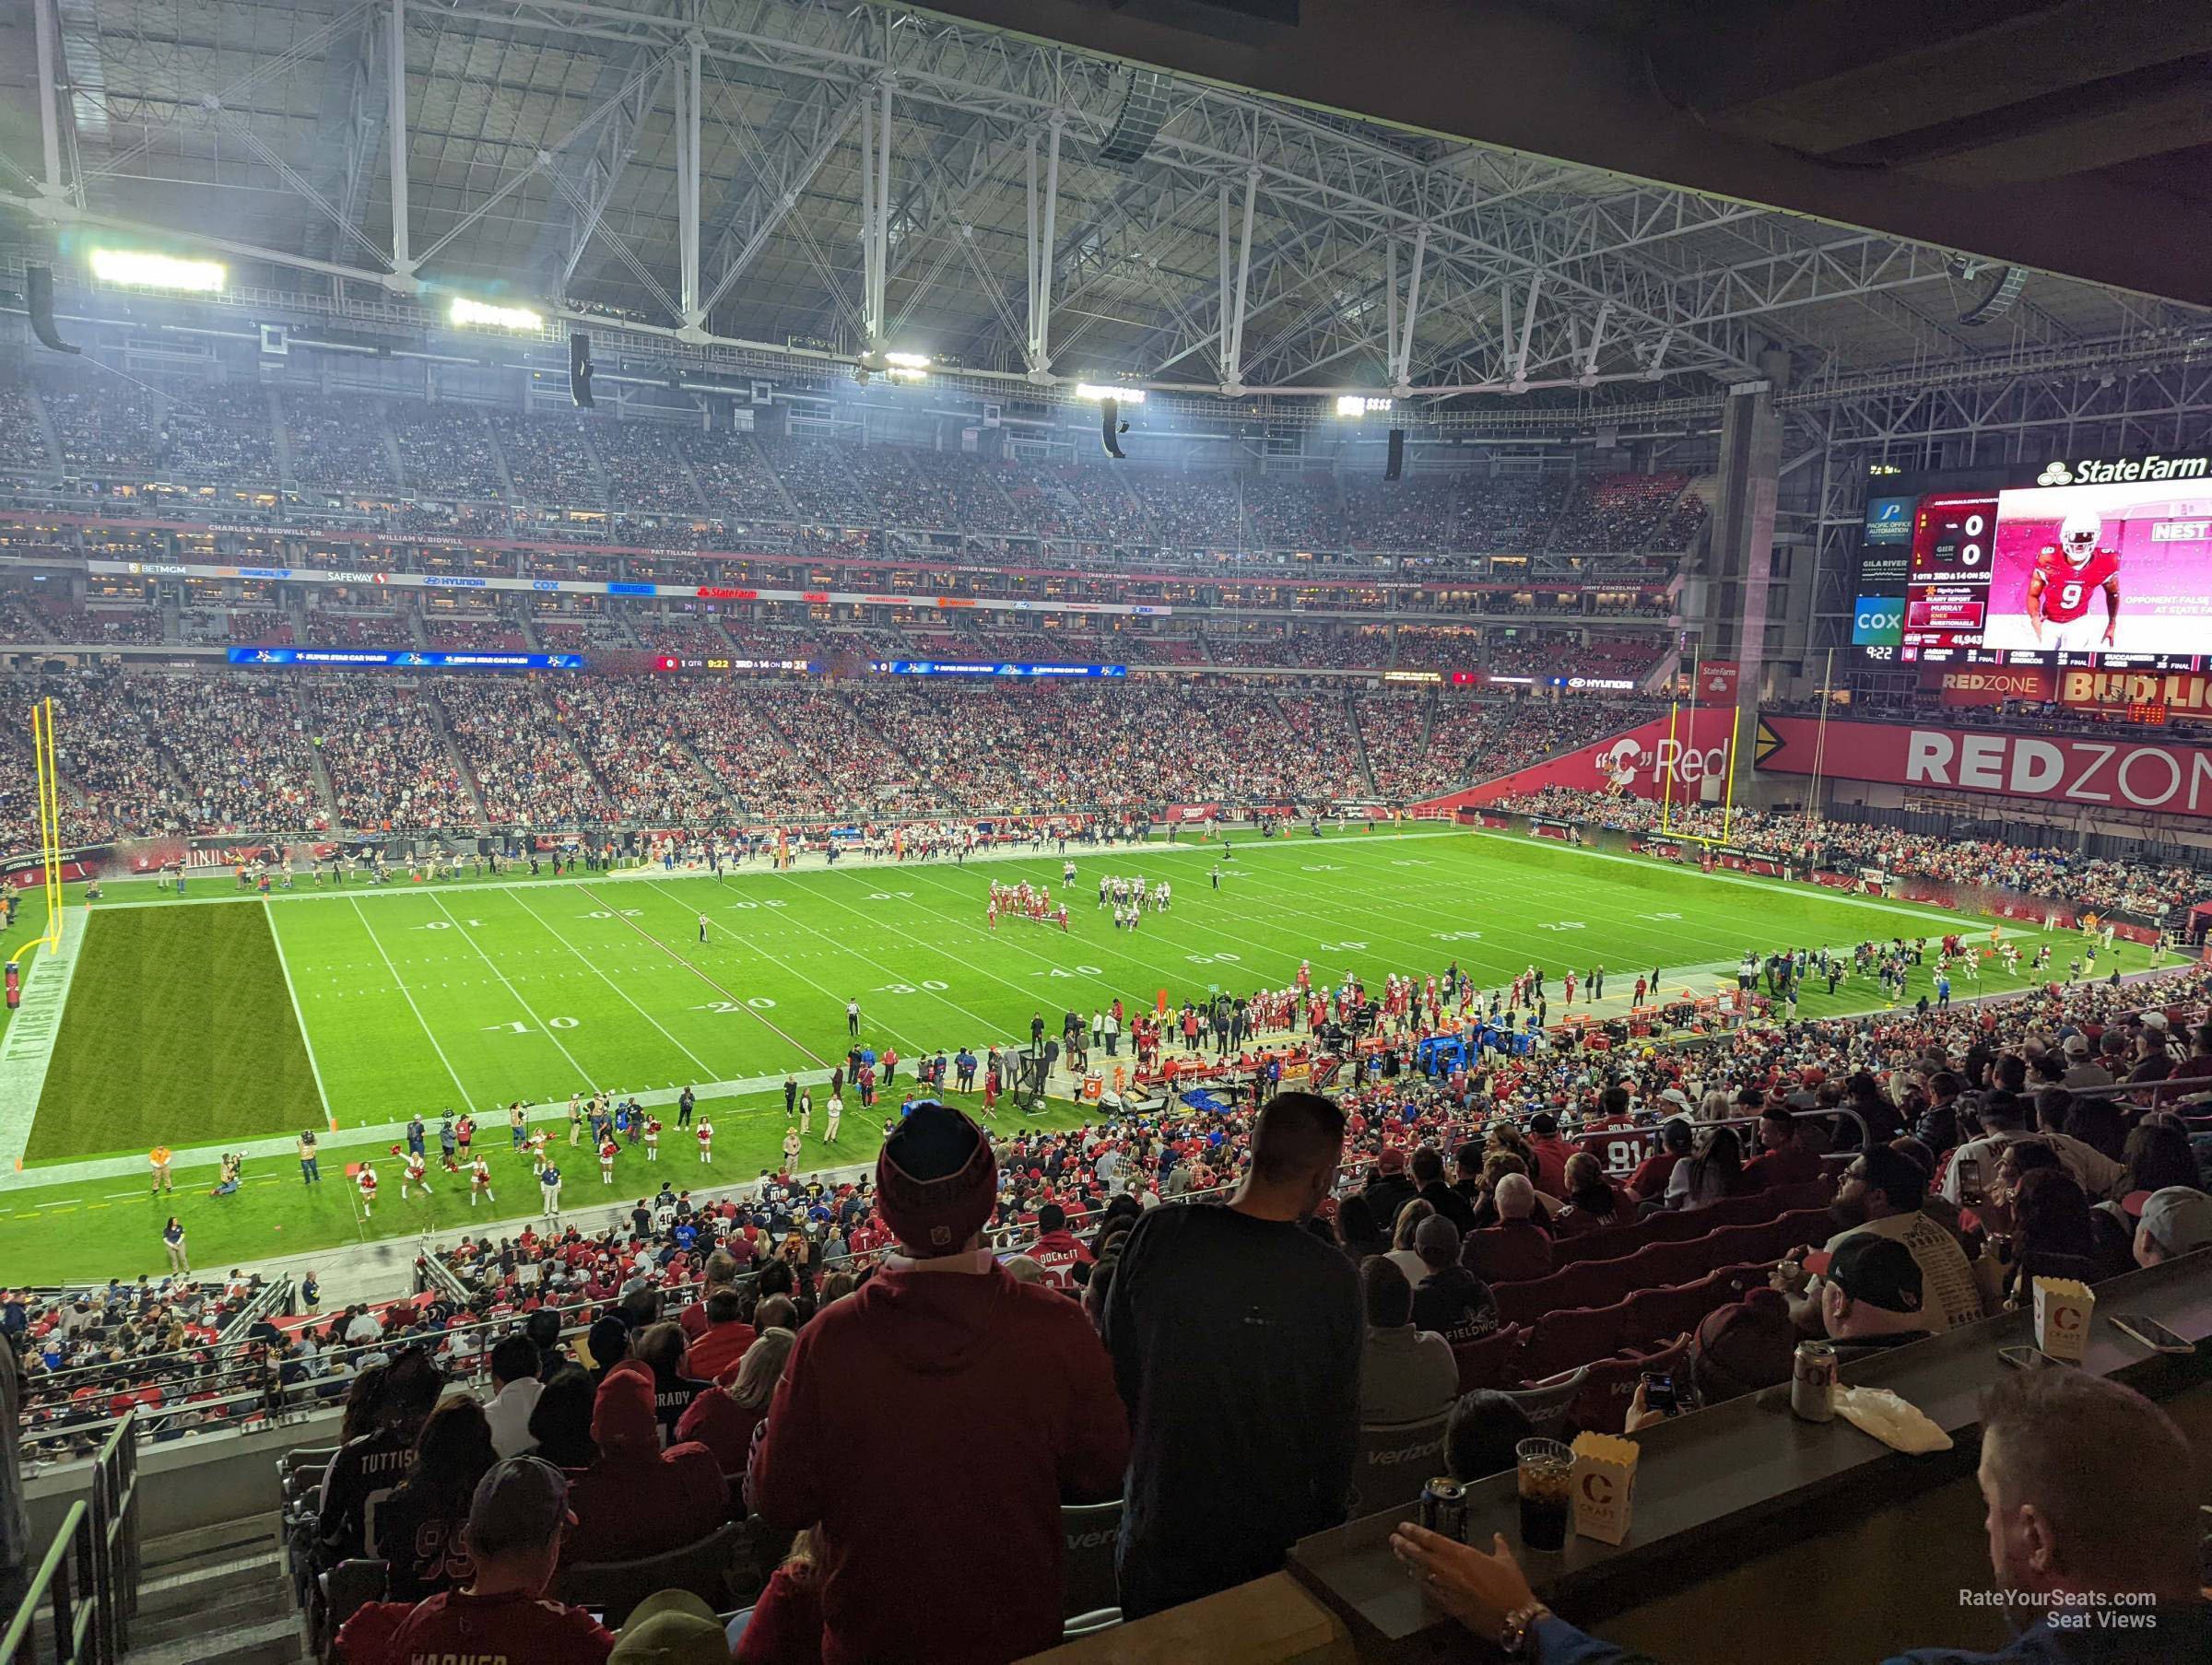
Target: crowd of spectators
(514,742)
(1402,760)
(335,443)
(1620,512)
(93,1352)
(548,458)
(645,468)
(389,766)
(2149,889)
(650,777)
(447,454)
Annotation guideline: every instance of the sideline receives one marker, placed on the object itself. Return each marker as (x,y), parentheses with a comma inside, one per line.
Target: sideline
(26,1049)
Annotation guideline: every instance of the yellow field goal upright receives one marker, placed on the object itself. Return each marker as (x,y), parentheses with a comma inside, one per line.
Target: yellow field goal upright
(50,819)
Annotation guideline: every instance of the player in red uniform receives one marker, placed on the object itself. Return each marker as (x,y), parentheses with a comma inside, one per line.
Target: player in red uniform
(2067,574)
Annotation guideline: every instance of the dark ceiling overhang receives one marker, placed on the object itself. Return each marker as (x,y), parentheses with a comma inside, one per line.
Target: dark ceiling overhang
(2073,136)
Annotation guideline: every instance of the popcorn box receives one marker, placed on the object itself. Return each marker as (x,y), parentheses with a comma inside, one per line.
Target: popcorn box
(2063,1309)
(1604,1484)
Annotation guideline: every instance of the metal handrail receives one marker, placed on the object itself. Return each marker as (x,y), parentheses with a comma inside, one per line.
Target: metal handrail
(59,1586)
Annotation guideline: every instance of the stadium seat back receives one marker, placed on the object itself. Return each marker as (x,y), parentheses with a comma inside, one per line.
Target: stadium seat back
(1607,1243)
(1086,1576)
(1656,1265)
(1656,1317)
(1525,1303)
(1732,1245)
(1812,1193)
(1801,1227)
(1545,1403)
(1563,1340)
(1609,1388)
(1674,1225)
(346,1590)
(1740,1211)
(1394,1460)
(615,1587)
(1490,1362)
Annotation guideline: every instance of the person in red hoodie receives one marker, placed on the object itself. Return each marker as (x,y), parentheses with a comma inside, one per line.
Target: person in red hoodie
(636,1500)
(893,1411)
(1057,1249)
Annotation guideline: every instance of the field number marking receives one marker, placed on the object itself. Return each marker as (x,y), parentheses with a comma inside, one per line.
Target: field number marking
(885,896)
(1340,948)
(449,924)
(516,1026)
(1455,936)
(610,913)
(768,904)
(760,1002)
(1070,972)
(928,983)
(1214,959)
(1564,925)
(1658,916)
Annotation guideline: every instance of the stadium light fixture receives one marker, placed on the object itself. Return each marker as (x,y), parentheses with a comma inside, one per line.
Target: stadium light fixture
(462,310)
(1126,395)
(1359,405)
(141,270)
(907,361)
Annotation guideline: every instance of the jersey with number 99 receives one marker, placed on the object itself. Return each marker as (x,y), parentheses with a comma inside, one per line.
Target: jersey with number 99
(2067,587)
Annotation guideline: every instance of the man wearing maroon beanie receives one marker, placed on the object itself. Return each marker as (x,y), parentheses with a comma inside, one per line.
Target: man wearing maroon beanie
(929,1424)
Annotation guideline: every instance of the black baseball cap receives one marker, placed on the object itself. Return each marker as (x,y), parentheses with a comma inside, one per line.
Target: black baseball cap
(1878,1270)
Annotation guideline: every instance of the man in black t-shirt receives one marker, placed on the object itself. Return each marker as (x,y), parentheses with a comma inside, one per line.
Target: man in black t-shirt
(1236,1338)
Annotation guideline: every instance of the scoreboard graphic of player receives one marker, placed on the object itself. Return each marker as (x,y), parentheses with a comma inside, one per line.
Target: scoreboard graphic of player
(2119,568)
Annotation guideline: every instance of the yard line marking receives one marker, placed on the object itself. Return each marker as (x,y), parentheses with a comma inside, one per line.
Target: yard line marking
(735,999)
(299,1017)
(582,1074)
(705,1067)
(401,984)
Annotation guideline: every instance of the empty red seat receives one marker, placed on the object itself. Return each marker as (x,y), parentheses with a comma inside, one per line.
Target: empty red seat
(1576,1336)
(1492,1362)
(1656,1265)
(1676,1226)
(1734,1244)
(1739,1211)
(1812,1193)
(1576,1286)
(1606,1243)
(1660,1315)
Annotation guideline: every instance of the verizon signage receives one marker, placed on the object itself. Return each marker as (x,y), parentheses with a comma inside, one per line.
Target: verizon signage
(2166,776)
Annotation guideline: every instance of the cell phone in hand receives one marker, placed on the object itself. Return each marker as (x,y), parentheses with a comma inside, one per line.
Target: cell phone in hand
(1659,1392)
(1969,1180)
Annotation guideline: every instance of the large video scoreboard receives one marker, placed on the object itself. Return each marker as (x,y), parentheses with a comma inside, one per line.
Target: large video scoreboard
(2095,562)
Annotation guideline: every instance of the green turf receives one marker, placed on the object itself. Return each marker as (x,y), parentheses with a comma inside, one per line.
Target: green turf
(178,1029)
(418,998)
(111,1227)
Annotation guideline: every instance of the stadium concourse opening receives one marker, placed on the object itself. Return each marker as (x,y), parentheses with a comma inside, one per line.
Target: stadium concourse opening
(836,838)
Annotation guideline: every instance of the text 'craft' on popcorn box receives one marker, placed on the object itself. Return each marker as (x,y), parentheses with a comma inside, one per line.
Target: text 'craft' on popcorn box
(1604,1485)
(2063,1309)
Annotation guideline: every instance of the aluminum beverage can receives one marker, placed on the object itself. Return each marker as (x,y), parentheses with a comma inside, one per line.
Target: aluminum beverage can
(1444,1508)
(1813,1382)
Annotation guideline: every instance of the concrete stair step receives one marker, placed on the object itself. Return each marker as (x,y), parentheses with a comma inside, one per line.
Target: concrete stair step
(178,1552)
(218,1607)
(267,1642)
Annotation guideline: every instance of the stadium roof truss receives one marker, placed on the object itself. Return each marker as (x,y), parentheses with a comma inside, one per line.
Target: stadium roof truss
(788,176)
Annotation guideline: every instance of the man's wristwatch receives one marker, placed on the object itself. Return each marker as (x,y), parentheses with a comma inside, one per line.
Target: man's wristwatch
(1520,1625)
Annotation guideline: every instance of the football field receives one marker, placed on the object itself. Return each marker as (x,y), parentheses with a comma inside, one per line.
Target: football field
(374,1004)
(211,1022)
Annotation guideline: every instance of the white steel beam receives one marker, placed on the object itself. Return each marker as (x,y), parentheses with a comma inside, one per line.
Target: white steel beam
(50,101)
(1045,228)
(1233,359)
(694,316)
(396,131)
